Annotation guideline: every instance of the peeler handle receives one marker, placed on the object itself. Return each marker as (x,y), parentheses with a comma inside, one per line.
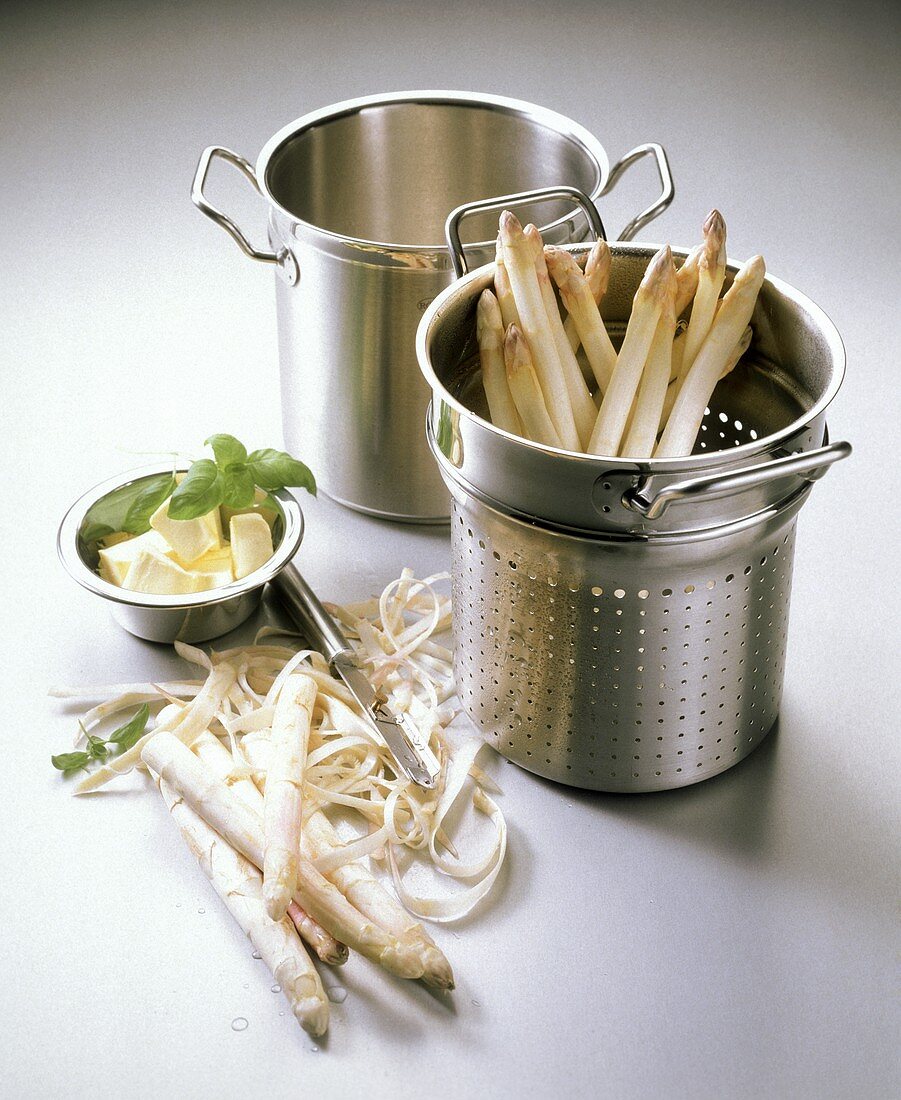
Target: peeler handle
(667,193)
(810,465)
(302,604)
(283,259)
(500,202)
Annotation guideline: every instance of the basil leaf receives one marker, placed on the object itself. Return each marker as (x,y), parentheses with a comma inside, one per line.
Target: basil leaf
(151,495)
(199,493)
(227,450)
(70,761)
(237,486)
(276,469)
(97,749)
(129,734)
(94,532)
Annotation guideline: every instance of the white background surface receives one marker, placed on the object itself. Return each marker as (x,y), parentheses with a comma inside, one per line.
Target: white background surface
(733,939)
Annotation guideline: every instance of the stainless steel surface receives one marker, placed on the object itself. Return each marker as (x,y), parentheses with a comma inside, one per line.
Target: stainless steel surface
(358,193)
(810,465)
(620,665)
(501,202)
(195,618)
(414,756)
(601,640)
(773,403)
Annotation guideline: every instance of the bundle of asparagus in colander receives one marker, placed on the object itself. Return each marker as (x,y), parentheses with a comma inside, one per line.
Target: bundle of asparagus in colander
(646,400)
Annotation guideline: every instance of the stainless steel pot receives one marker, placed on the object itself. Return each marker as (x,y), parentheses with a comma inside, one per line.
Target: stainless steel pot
(357,196)
(621,625)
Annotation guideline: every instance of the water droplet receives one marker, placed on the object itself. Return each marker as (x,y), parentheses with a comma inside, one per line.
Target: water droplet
(247,985)
(478,1004)
(276,988)
(281,1014)
(516,721)
(239,1024)
(314,1050)
(337,994)
(178,905)
(255,955)
(201,911)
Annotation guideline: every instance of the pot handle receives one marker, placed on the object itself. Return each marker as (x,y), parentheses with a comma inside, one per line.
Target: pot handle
(501,202)
(810,465)
(283,259)
(667,193)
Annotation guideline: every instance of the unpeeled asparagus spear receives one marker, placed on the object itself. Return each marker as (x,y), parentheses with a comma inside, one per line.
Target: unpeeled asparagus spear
(490,334)
(731,320)
(503,290)
(526,391)
(221,762)
(240,886)
(711,274)
(235,822)
(584,409)
(738,351)
(647,306)
(687,279)
(283,801)
(597,275)
(642,435)
(583,312)
(364,891)
(519,261)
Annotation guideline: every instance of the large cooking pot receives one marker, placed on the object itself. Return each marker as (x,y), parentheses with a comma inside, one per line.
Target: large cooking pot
(357,194)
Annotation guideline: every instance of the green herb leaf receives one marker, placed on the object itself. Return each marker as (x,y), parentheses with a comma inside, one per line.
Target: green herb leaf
(70,761)
(129,734)
(152,494)
(237,486)
(277,469)
(199,493)
(94,532)
(227,450)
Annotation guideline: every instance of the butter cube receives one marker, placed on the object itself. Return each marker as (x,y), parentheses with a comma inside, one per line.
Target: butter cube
(251,542)
(189,538)
(216,565)
(115,561)
(259,507)
(153,572)
(212,519)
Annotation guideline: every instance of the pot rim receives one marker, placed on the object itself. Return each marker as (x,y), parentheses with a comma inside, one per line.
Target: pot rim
(686,463)
(79,570)
(553,120)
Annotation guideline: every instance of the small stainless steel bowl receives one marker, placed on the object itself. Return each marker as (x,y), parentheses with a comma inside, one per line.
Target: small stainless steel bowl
(194,618)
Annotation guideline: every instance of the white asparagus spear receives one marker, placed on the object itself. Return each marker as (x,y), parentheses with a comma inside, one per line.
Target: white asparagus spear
(240,886)
(687,279)
(535,327)
(526,391)
(185,725)
(583,311)
(283,801)
(731,320)
(490,334)
(221,762)
(597,275)
(584,409)
(503,290)
(711,274)
(363,890)
(738,351)
(646,309)
(235,822)
(641,438)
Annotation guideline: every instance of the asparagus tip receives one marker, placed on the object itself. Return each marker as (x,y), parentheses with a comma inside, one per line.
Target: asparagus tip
(510,225)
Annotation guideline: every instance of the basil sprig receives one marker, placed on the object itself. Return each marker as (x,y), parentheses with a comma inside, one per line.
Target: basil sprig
(99,747)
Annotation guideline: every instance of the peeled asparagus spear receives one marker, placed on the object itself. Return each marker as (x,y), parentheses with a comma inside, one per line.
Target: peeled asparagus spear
(503,290)
(519,261)
(221,762)
(235,822)
(364,891)
(583,312)
(647,306)
(240,886)
(584,409)
(597,275)
(490,334)
(731,320)
(737,352)
(642,435)
(527,396)
(283,802)
(711,274)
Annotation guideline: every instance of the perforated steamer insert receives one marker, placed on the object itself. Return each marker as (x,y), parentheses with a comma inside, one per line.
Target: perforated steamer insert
(621,625)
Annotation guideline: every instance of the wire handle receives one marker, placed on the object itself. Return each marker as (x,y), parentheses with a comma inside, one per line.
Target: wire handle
(667,193)
(501,202)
